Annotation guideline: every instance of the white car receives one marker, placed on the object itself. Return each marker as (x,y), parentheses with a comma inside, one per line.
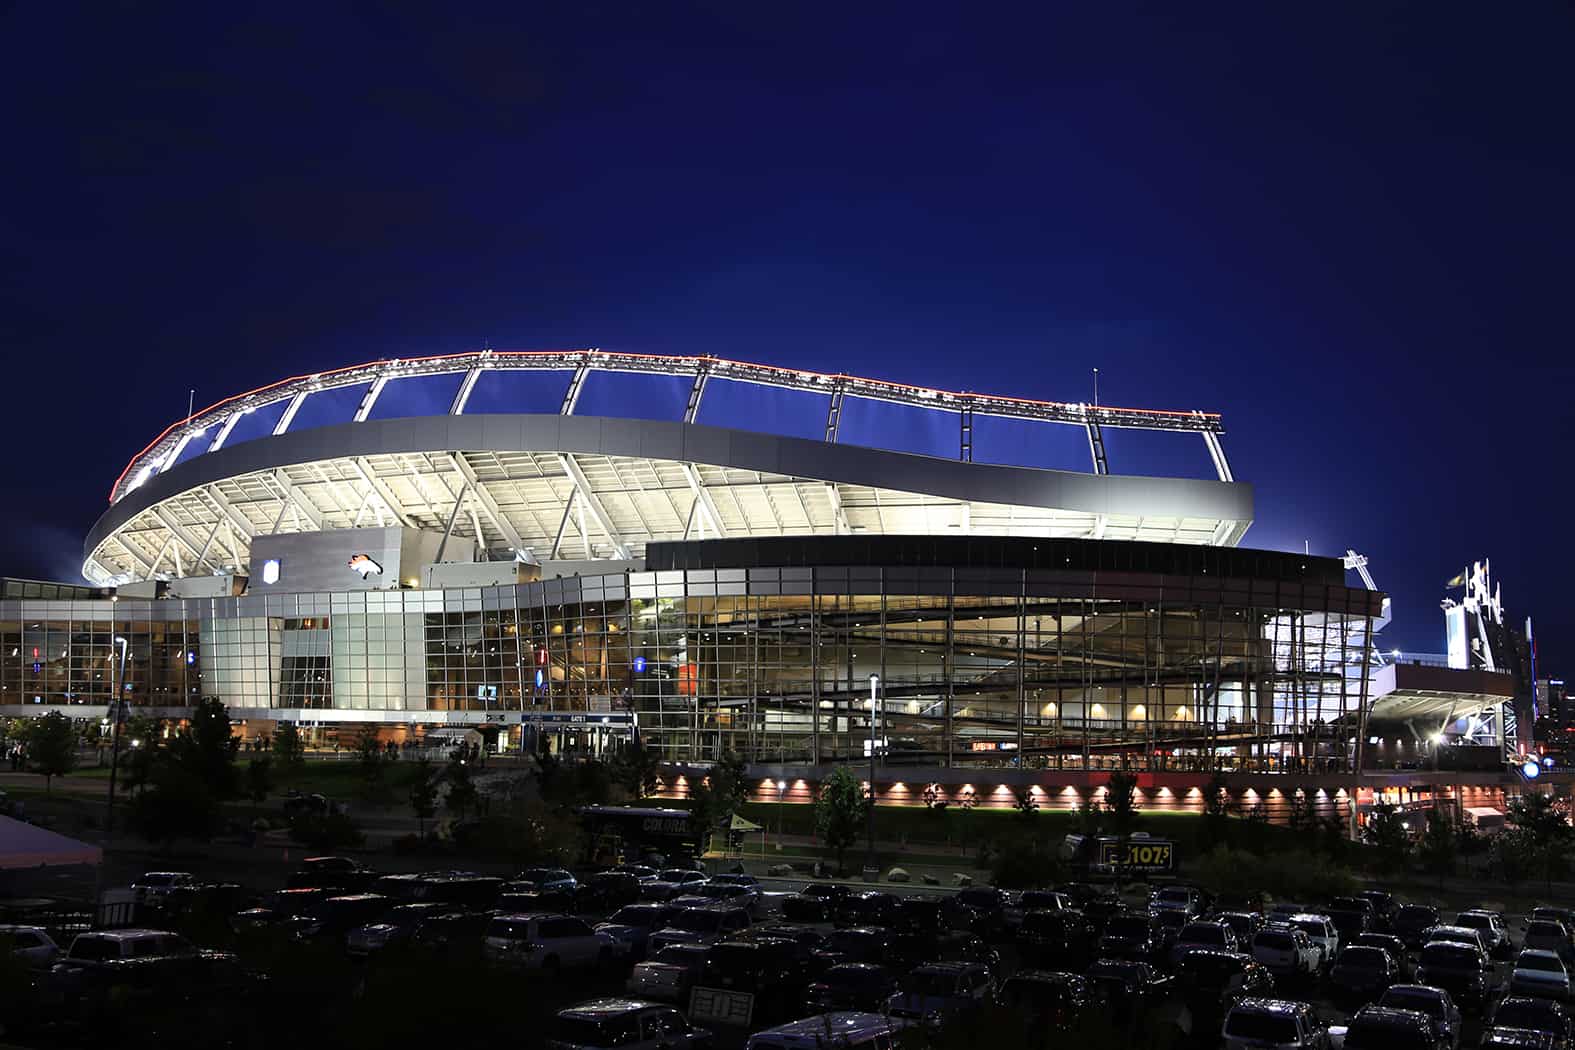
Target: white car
(1286,951)
(548,942)
(30,946)
(112,945)
(1491,926)
(1254,1023)
(1321,929)
(1540,973)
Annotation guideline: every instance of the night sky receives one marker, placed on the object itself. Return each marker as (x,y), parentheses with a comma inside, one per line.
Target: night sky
(1349,229)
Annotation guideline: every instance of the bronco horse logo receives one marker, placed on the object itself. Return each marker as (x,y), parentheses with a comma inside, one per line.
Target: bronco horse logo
(363,564)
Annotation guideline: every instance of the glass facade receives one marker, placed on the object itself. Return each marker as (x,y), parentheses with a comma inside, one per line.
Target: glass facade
(1035,668)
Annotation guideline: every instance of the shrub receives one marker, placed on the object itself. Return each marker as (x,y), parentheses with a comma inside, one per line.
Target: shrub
(1292,875)
(325,831)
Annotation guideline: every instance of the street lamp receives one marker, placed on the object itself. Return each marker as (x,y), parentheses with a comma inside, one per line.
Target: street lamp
(869,812)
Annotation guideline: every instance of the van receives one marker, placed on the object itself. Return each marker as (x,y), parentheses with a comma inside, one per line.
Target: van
(844,1030)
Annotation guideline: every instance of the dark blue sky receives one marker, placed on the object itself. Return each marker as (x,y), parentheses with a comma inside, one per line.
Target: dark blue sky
(1348,229)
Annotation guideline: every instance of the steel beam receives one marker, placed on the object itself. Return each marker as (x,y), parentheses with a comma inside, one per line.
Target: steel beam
(692,410)
(448,530)
(839,516)
(563,524)
(834,412)
(230,511)
(292,495)
(1217,454)
(965,417)
(385,495)
(1096,441)
(489,505)
(369,399)
(180,446)
(462,395)
(179,531)
(289,413)
(224,430)
(703,498)
(571,396)
(591,503)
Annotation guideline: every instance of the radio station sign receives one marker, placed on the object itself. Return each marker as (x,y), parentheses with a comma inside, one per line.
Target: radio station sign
(1138,855)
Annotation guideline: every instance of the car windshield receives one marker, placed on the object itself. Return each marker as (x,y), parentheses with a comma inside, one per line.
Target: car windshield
(1413,913)
(1206,969)
(1021,990)
(1361,958)
(850,941)
(1545,929)
(94,949)
(1049,922)
(694,920)
(854,976)
(1527,1013)
(1174,919)
(1261,1027)
(598,1032)
(517,929)
(734,958)
(1311,927)
(819,891)
(1203,933)
(1173,896)
(1111,969)
(1447,954)
(1039,899)
(1279,940)
(1421,1002)
(722,891)
(673,874)
(158,879)
(1476,922)
(636,915)
(681,955)
(978,897)
(1548,963)
(1127,926)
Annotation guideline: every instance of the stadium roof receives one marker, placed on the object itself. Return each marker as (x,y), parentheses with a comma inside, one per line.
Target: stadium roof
(569,486)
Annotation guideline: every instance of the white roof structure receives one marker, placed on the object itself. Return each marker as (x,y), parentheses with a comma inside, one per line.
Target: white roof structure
(25,845)
(568,486)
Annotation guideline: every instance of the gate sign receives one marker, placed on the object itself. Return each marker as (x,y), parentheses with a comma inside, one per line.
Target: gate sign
(1141,855)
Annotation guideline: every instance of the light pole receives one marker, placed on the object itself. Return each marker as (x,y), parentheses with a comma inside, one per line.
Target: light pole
(869,811)
(781,790)
(115,687)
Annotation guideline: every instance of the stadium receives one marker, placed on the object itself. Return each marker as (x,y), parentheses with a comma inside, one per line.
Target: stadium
(489,554)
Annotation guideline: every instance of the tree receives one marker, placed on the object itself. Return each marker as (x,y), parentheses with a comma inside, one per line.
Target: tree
(1301,819)
(729,785)
(175,804)
(259,781)
(372,765)
(839,811)
(462,792)
(207,749)
(288,749)
(1440,845)
(52,746)
(636,769)
(423,794)
(1387,834)
(1545,833)
(1121,803)
(1026,805)
(1217,806)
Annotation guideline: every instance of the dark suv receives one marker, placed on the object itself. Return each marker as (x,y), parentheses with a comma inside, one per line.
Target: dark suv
(1464,972)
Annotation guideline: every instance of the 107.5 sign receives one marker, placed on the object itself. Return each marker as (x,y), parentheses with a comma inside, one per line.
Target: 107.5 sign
(1146,855)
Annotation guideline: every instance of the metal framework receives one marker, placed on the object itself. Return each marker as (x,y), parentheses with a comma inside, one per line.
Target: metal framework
(168,446)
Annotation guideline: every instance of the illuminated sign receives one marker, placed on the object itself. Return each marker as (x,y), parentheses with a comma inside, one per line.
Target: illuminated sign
(1531,769)
(1138,854)
(363,564)
(270,572)
(639,665)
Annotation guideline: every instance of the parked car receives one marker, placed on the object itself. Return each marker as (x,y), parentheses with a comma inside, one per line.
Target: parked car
(1287,952)
(1362,974)
(1045,999)
(452,936)
(1435,1003)
(1349,923)
(1391,944)
(1463,971)
(1127,986)
(1244,924)
(103,946)
(624,1024)
(633,924)
(851,986)
(816,902)
(607,891)
(669,974)
(705,925)
(984,908)
(746,897)
(769,969)
(1131,935)
(393,929)
(1540,973)
(939,992)
(1492,926)
(1204,934)
(1459,935)
(1550,935)
(277,907)
(1321,929)
(1053,938)
(869,908)
(1212,981)
(671,882)
(1384,908)
(1564,916)
(151,888)
(1411,920)
(543,879)
(839,1030)
(547,942)
(333,919)
(31,946)
(1515,1039)
(1383,1028)
(1256,1022)
(1540,1015)
(1186,899)
(476,892)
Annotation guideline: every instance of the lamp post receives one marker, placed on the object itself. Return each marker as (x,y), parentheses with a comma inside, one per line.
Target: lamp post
(869,811)
(115,687)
